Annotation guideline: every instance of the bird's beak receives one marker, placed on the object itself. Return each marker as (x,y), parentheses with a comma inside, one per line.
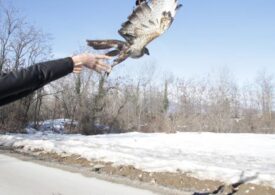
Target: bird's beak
(147,51)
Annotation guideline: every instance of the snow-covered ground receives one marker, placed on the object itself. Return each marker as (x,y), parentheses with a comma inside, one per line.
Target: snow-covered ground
(225,157)
(19,177)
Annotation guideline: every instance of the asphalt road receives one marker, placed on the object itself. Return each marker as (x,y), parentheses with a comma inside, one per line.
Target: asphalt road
(19,177)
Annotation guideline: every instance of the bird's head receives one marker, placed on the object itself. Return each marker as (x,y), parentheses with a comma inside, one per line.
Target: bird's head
(138,53)
(146,51)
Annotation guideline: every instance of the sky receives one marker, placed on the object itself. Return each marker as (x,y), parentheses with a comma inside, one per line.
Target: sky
(206,36)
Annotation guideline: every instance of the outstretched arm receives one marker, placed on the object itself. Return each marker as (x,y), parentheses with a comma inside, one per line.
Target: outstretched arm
(18,84)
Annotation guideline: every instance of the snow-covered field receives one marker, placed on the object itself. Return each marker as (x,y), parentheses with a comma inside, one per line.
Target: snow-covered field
(224,157)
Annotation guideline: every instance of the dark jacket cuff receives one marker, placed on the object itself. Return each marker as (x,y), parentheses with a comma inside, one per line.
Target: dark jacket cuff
(13,85)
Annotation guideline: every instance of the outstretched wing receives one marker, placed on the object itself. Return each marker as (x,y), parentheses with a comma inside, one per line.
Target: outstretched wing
(148,21)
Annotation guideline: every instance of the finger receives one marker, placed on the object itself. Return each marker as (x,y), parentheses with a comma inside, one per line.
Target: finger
(102,57)
(97,69)
(100,69)
(77,71)
(103,66)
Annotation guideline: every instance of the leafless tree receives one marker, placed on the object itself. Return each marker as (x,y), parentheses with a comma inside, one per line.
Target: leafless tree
(9,24)
(21,45)
(265,84)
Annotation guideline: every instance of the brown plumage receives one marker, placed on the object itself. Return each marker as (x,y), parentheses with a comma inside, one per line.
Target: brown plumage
(149,20)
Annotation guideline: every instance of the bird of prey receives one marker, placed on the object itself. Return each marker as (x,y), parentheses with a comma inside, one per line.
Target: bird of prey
(149,20)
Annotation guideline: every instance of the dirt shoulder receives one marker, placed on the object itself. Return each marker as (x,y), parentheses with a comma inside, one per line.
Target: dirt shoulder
(160,182)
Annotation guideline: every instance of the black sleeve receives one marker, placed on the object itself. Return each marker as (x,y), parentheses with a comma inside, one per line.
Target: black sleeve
(18,84)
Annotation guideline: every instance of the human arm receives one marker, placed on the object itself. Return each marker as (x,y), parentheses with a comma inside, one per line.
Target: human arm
(18,84)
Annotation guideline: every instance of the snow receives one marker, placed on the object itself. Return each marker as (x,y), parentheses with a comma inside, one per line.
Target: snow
(25,178)
(224,157)
(50,126)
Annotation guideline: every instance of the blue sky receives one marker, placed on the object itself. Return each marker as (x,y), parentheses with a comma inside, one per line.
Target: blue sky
(207,35)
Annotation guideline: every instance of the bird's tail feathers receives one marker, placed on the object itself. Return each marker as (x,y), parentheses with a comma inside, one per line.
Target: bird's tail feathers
(105,44)
(113,53)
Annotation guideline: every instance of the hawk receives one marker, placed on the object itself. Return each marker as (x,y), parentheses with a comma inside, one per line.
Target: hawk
(149,20)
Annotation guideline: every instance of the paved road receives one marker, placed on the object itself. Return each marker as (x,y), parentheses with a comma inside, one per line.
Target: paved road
(19,177)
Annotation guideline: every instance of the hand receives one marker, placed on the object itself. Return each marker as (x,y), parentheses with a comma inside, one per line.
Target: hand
(91,61)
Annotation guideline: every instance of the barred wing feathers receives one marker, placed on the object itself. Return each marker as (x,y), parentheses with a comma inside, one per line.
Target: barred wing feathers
(148,21)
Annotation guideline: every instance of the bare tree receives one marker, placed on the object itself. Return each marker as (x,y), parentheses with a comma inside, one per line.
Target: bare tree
(21,45)
(8,26)
(265,84)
